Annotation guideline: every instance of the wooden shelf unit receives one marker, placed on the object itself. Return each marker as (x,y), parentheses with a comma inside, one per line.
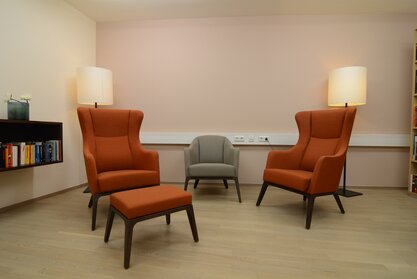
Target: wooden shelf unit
(412,172)
(30,131)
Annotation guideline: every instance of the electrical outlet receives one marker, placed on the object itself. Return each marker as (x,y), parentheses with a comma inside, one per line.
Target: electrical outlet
(263,139)
(239,139)
(251,138)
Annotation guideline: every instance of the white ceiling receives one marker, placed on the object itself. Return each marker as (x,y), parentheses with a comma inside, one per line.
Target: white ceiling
(124,10)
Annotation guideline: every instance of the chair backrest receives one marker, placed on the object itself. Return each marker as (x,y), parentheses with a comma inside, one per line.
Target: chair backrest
(323,132)
(210,148)
(110,136)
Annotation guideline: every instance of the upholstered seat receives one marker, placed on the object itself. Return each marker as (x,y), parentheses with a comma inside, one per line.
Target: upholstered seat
(212,157)
(114,158)
(314,165)
(126,179)
(212,169)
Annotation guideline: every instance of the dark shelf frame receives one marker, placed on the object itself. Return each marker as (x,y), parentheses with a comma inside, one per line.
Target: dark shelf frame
(30,131)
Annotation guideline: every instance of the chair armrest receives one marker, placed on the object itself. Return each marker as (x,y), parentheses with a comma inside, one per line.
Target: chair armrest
(284,159)
(327,173)
(187,159)
(147,160)
(231,157)
(91,170)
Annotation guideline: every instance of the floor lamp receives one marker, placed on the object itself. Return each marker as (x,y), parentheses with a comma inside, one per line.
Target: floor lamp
(347,87)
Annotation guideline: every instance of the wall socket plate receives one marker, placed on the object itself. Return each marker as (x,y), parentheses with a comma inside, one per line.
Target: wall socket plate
(263,139)
(239,139)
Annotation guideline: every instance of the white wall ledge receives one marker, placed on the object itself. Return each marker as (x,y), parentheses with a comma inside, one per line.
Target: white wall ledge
(358,140)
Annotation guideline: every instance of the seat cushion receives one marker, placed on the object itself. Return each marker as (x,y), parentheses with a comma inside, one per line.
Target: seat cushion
(111,181)
(141,202)
(295,179)
(212,170)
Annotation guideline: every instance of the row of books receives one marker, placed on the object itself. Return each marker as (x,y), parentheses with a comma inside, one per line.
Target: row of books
(17,154)
(413,183)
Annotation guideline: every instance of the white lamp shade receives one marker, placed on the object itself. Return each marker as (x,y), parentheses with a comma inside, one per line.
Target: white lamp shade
(347,85)
(94,85)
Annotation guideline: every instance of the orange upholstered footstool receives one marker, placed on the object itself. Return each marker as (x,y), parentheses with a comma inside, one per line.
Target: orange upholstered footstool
(146,203)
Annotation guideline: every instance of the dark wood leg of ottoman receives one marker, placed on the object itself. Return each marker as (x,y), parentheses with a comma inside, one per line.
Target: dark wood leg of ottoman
(110,217)
(130,223)
(191,219)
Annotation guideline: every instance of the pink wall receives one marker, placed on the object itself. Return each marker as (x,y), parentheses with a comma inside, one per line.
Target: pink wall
(251,74)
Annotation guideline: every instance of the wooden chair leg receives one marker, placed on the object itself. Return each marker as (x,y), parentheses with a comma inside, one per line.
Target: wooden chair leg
(196,183)
(339,203)
(94,212)
(128,242)
(168,218)
(191,220)
(262,193)
(310,206)
(186,183)
(110,217)
(238,189)
(225,183)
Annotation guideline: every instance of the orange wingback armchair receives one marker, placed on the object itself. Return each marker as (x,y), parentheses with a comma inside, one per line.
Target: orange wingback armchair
(114,158)
(314,165)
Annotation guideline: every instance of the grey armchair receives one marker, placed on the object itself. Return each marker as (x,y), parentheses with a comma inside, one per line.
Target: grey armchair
(212,157)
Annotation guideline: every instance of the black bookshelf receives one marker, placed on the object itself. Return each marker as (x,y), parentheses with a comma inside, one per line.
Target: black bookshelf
(30,131)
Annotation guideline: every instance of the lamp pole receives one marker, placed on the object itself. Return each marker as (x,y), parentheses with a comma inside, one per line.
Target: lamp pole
(342,191)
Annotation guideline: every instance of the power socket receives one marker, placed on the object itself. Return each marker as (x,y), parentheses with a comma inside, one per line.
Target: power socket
(263,139)
(239,139)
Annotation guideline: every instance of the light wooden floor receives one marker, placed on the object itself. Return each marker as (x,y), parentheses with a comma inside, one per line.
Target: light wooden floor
(376,238)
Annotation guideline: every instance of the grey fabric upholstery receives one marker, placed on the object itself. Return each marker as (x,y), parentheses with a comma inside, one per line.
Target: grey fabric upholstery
(211,157)
(212,170)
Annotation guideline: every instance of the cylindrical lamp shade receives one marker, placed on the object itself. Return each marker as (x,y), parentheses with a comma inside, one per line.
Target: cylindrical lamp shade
(347,86)
(94,86)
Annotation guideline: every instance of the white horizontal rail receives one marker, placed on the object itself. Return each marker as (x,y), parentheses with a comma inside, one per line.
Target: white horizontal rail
(362,140)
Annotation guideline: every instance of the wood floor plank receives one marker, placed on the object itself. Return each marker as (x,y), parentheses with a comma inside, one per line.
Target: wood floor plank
(376,238)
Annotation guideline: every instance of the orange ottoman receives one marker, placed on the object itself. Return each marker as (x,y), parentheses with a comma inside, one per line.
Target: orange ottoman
(146,203)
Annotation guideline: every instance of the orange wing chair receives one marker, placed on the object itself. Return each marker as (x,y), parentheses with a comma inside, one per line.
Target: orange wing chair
(314,165)
(114,158)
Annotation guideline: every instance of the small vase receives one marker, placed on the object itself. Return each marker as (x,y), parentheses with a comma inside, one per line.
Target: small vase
(17,111)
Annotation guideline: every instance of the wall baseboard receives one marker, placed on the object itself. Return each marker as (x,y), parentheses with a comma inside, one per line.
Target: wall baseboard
(19,204)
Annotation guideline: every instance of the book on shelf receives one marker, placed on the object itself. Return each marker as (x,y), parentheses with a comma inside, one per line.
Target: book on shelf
(22,154)
(15,156)
(38,152)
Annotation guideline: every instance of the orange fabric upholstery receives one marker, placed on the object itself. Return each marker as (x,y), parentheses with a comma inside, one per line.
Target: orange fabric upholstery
(298,179)
(321,149)
(114,158)
(141,202)
(110,144)
(313,166)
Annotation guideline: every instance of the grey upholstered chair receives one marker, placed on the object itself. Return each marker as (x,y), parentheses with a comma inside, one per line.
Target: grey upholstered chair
(212,157)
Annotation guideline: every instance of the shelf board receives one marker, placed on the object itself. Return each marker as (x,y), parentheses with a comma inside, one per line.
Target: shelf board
(414,161)
(31,166)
